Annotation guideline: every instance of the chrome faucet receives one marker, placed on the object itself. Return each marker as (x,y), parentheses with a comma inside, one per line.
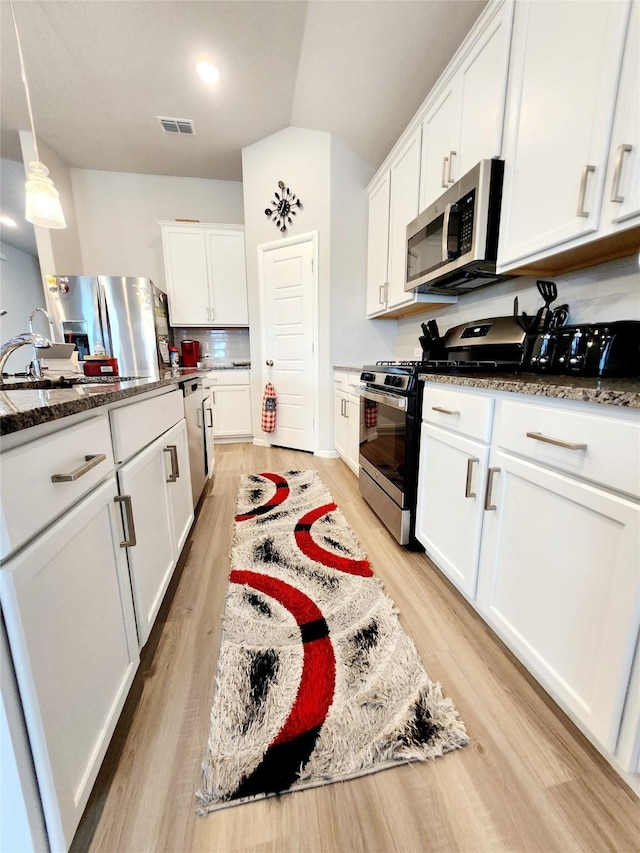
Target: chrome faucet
(38,342)
(47,315)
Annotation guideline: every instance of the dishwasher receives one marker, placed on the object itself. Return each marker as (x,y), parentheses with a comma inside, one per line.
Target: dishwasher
(194,416)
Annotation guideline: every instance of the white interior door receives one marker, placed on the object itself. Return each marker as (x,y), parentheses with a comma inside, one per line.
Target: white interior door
(289,294)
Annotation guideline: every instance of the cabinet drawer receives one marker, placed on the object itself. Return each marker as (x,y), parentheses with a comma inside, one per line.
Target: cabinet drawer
(30,500)
(599,448)
(138,424)
(341,381)
(227,377)
(469,413)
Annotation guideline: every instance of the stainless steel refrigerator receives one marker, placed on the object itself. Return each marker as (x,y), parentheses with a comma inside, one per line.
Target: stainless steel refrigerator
(125,317)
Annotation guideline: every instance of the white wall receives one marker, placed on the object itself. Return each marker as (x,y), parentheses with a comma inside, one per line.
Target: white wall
(300,158)
(20,292)
(602,293)
(118,214)
(355,341)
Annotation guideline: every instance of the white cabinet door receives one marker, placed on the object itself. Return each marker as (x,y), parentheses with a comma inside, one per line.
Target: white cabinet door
(564,75)
(232,411)
(464,123)
(341,423)
(178,485)
(66,599)
(622,186)
(378,246)
(185,260)
(209,427)
(228,278)
(438,142)
(559,583)
(481,85)
(355,423)
(403,207)
(151,559)
(451,486)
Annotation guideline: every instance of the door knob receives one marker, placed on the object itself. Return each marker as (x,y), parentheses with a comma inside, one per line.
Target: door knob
(269,362)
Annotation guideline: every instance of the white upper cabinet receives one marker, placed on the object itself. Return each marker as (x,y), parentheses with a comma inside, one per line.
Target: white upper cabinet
(622,183)
(565,67)
(378,246)
(205,274)
(403,207)
(464,120)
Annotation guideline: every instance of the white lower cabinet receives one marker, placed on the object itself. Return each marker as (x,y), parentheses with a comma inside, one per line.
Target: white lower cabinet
(559,583)
(348,416)
(536,519)
(453,472)
(67,604)
(231,397)
(156,495)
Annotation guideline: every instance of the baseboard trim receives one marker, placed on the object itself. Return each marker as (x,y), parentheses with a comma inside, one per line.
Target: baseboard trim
(327,454)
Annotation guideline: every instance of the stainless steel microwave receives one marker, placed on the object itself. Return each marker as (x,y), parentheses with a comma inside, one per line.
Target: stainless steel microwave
(452,245)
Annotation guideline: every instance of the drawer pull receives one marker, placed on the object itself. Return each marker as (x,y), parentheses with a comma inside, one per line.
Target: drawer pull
(487,495)
(444,411)
(569,445)
(172,450)
(90,462)
(131,528)
(467,488)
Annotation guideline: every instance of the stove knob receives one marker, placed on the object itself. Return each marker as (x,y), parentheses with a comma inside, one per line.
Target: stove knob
(367,377)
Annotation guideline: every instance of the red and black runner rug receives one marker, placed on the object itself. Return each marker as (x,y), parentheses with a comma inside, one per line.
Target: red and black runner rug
(317,682)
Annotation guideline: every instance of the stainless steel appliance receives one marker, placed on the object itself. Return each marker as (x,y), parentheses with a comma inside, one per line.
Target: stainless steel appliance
(194,403)
(452,245)
(389,445)
(124,317)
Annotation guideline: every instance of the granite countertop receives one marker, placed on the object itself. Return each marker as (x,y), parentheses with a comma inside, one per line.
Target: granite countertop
(610,392)
(341,367)
(42,402)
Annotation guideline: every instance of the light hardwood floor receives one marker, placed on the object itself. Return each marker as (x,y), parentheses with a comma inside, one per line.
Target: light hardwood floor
(527,781)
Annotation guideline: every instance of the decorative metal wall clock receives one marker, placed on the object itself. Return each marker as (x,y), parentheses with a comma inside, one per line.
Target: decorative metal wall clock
(285,205)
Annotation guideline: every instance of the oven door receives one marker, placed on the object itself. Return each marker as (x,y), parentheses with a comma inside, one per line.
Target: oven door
(383,442)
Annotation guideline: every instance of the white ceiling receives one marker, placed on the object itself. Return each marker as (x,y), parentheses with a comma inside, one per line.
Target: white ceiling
(101,71)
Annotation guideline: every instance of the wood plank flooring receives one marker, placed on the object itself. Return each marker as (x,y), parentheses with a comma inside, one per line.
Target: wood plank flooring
(528,780)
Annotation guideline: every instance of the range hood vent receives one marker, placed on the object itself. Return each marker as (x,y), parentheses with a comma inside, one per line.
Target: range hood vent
(176,125)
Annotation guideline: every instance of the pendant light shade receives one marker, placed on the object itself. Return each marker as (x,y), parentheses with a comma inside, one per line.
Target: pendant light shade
(43,202)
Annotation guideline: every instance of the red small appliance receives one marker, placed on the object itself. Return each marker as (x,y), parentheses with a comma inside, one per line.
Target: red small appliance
(190,353)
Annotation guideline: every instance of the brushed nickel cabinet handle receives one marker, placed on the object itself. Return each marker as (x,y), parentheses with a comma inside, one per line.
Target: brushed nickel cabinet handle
(172,450)
(586,171)
(617,172)
(381,294)
(131,528)
(452,154)
(386,292)
(467,488)
(557,442)
(90,462)
(445,160)
(487,495)
(210,410)
(444,411)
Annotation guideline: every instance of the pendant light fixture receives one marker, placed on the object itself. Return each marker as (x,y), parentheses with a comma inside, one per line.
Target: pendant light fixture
(43,202)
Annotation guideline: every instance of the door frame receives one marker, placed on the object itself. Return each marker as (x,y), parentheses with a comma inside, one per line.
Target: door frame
(263,248)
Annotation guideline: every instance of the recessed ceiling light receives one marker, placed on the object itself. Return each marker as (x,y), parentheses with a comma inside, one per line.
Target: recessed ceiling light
(7,220)
(208,72)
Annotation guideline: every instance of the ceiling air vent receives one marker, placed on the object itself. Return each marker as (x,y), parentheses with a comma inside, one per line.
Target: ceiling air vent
(176,125)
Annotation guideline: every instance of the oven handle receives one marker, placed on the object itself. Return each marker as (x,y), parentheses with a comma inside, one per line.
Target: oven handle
(386,399)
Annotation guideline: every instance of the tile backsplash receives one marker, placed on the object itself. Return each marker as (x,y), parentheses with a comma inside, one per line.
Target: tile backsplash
(603,293)
(219,346)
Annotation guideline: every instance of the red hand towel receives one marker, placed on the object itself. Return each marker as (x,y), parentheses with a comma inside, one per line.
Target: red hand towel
(269,407)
